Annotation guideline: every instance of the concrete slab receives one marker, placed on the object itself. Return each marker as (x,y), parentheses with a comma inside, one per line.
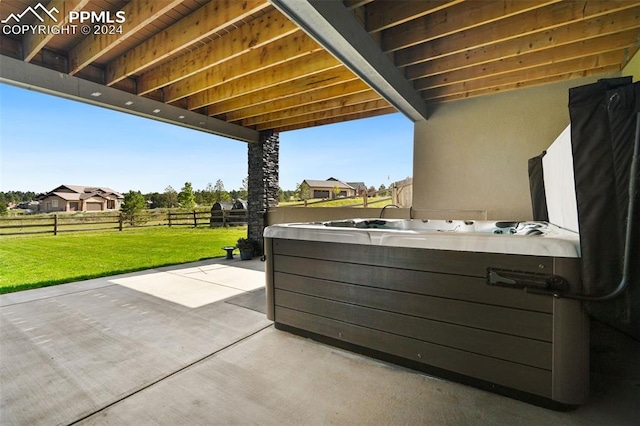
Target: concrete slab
(275,378)
(97,352)
(230,276)
(175,288)
(68,351)
(196,286)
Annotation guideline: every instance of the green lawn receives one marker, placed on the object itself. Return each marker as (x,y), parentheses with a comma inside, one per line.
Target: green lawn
(38,261)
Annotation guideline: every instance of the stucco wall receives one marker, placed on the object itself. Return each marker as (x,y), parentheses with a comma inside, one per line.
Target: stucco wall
(470,157)
(633,67)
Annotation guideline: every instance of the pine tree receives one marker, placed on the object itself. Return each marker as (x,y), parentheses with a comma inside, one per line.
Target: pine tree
(171,196)
(186,198)
(134,202)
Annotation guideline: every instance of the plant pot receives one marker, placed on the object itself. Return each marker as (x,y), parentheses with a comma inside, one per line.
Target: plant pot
(246,254)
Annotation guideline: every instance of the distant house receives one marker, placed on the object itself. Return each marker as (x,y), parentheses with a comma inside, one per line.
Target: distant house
(360,187)
(73,198)
(325,188)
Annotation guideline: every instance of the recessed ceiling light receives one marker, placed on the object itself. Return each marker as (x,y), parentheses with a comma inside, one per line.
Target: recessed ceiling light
(181,117)
(96,94)
(201,123)
(129,103)
(157,110)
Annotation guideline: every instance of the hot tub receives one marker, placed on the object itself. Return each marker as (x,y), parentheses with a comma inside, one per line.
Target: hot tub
(474,301)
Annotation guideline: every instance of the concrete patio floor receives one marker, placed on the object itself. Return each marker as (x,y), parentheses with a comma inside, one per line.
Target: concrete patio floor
(178,345)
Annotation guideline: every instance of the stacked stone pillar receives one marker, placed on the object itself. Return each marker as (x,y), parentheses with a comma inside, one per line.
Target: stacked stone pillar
(263,184)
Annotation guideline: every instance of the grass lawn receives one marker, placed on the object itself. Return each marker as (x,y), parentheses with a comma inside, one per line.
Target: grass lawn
(38,261)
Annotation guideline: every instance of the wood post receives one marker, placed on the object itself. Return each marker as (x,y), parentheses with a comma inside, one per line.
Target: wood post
(55,224)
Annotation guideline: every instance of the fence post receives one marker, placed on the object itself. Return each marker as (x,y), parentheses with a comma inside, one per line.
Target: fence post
(225,217)
(169,217)
(195,219)
(55,224)
(120,220)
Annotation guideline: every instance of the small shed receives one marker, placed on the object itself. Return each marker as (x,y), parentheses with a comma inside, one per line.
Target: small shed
(224,205)
(222,213)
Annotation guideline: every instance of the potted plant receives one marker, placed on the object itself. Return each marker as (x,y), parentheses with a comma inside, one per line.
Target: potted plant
(245,245)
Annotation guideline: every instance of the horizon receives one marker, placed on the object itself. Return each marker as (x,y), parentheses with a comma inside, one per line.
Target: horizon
(96,146)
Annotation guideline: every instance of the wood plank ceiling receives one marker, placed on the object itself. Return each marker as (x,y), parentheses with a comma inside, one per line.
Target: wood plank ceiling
(244,62)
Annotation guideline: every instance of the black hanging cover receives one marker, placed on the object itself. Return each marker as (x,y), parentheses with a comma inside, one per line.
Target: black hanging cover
(602,134)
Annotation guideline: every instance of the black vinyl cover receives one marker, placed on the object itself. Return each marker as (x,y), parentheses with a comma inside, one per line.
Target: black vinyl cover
(536,187)
(602,135)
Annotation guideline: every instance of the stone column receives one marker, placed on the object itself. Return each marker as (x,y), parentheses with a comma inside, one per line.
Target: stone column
(263,182)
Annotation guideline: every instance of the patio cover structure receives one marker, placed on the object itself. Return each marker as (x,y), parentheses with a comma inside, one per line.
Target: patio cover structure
(238,67)
(249,69)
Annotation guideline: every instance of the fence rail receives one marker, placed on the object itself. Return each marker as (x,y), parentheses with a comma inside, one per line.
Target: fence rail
(62,222)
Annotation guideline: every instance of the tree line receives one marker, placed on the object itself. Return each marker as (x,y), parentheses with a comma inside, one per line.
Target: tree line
(186,198)
(171,198)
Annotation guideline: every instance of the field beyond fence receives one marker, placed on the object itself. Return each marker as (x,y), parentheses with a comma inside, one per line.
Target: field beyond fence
(74,222)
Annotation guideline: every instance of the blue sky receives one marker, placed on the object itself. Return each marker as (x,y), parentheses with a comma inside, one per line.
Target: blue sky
(46,141)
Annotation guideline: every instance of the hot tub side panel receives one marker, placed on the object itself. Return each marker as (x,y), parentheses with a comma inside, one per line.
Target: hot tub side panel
(430,307)
(268,273)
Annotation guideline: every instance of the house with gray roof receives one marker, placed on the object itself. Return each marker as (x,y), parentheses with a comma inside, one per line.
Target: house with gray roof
(326,188)
(74,198)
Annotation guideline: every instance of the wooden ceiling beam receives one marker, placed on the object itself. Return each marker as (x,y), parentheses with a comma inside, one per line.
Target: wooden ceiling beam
(202,23)
(560,36)
(33,43)
(139,13)
(323,79)
(577,50)
(295,99)
(382,15)
(248,38)
(356,116)
(529,83)
(333,113)
(457,18)
(339,32)
(518,26)
(313,107)
(565,67)
(288,71)
(281,52)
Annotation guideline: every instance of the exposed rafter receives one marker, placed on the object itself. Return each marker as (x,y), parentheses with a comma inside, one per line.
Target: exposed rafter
(292,48)
(331,24)
(202,23)
(138,14)
(33,43)
(245,63)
